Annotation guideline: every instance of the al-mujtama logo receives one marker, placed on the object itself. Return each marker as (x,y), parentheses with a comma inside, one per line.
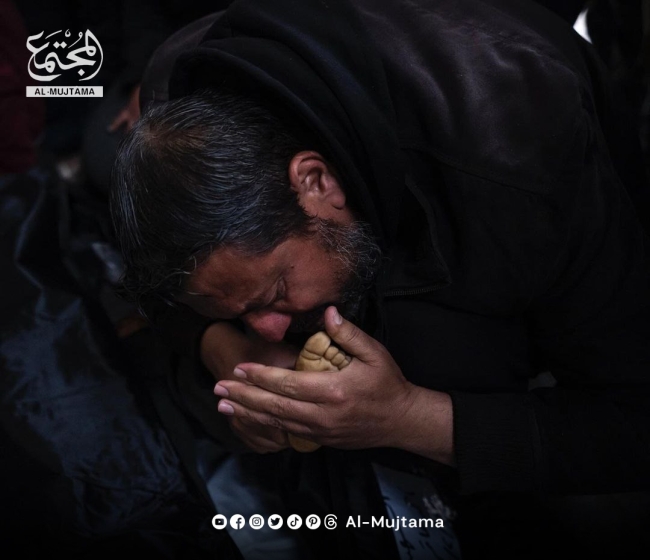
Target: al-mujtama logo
(58,56)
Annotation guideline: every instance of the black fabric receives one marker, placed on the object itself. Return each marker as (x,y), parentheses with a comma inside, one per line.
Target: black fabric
(477,138)
(88,470)
(568,10)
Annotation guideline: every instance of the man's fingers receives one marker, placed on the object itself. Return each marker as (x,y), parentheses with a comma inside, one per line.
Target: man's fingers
(232,408)
(349,337)
(310,386)
(257,400)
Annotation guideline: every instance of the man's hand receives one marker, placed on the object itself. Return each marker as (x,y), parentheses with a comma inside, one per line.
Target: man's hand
(222,348)
(129,113)
(367,404)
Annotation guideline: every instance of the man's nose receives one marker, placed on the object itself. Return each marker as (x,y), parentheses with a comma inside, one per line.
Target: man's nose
(270,325)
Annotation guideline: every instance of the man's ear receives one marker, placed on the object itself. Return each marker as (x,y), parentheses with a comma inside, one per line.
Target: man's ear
(318,188)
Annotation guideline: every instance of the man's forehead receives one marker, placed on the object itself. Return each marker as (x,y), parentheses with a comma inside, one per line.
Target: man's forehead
(230,269)
(230,275)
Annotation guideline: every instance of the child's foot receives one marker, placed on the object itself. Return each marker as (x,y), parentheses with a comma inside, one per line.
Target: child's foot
(318,354)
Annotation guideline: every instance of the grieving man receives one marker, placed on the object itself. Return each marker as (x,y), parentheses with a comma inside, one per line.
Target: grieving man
(433,184)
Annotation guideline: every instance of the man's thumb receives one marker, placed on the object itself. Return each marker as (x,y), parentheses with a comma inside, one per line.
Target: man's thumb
(350,338)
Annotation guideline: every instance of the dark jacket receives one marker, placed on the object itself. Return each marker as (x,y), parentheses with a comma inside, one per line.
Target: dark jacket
(473,136)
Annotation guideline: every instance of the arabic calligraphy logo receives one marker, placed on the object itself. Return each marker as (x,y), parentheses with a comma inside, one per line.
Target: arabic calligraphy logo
(51,63)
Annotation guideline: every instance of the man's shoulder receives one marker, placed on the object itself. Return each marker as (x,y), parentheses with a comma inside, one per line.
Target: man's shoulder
(488,87)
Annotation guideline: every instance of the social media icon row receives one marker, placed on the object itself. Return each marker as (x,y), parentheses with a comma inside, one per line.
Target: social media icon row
(257,521)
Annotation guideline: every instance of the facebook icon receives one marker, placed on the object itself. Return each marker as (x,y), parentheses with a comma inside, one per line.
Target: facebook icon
(237,521)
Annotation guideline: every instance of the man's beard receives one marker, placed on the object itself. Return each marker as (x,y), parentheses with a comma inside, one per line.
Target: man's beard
(358,256)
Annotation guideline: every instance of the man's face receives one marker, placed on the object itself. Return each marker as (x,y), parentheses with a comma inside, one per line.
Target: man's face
(289,288)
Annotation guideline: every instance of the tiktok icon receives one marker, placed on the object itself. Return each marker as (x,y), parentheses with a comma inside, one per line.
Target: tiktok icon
(294,521)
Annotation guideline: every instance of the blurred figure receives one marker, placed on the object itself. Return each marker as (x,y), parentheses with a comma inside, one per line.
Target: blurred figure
(82,134)
(21,118)
(65,117)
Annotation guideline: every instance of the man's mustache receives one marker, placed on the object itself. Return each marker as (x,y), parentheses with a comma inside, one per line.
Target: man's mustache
(313,321)
(310,321)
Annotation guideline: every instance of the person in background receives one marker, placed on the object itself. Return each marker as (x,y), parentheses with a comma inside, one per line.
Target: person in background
(21,117)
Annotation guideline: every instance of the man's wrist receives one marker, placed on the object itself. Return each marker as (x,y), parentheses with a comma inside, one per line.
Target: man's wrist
(426,427)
